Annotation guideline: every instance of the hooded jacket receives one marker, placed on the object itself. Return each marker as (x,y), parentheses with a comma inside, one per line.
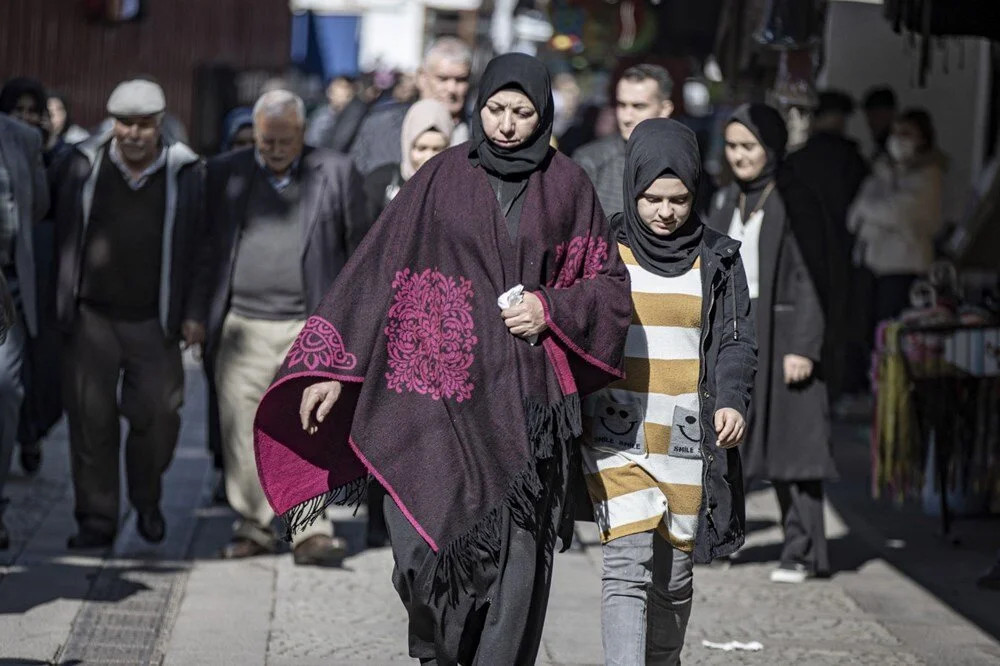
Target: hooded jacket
(186,252)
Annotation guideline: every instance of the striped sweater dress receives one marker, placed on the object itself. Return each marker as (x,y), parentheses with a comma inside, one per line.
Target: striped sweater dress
(642,435)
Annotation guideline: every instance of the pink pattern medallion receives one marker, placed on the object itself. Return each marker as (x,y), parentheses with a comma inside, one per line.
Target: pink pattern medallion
(583,252)
(430,335)
(319,345)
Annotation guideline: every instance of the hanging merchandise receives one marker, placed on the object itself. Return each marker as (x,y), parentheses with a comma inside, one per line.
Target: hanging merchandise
(792,24)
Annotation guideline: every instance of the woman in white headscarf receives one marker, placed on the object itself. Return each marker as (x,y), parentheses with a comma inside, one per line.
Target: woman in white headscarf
(427,130)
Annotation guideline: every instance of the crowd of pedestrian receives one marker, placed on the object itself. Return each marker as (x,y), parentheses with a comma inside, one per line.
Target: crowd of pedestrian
(656,351)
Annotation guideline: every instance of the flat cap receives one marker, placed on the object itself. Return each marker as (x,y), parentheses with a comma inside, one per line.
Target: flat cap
(137,97)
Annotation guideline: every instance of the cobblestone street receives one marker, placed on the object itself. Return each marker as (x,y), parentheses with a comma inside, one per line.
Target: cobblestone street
(900,594)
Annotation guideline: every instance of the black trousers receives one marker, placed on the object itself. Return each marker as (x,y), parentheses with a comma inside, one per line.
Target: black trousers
(805,529)
(100,353)
(498,621)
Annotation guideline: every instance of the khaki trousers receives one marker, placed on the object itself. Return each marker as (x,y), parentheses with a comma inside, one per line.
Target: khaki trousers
(250,353)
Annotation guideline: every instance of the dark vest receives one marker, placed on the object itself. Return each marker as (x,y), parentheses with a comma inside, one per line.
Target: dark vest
(123,247)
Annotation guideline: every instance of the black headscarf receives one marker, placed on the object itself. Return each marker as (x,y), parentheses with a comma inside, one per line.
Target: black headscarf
(529,75)
(767,125)
(660,147)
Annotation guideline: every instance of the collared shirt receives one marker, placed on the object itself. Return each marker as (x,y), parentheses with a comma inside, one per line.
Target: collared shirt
(136,182)
(279,183)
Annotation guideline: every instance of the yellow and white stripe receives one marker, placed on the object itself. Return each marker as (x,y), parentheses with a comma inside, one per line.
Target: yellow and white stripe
(636,492)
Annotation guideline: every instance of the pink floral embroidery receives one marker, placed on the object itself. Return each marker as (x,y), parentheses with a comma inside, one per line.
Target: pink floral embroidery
(319,345)
(430,336)
(581,252)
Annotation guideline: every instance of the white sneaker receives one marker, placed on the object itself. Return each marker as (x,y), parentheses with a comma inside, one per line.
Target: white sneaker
(795,574)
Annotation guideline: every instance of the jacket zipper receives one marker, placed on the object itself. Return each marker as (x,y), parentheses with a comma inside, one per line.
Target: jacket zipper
(704,397)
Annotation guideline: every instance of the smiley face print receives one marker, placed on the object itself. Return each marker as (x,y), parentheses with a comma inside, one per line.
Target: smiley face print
(685,434)
(618,426)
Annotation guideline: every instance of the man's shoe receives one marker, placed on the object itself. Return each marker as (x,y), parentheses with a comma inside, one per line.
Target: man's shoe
(789,573)
(31,458)
(4,536)
(151,525)
(320,551)
(241,547)
(87,539)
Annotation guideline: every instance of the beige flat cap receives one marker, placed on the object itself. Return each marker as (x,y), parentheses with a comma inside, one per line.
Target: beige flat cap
(135,98)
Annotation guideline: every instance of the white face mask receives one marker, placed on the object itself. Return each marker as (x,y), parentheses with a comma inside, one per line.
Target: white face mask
(901,149)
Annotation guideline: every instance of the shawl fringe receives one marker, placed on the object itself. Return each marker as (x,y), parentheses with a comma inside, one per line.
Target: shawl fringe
(305,514)
(551,428)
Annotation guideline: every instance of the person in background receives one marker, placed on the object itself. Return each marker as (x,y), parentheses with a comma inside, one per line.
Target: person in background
(659,446)
(899,211)
(425,134)
(61,119)
(237,128)
(285,219)
(642,92)
(132,287)
(775,217)
(880,111)
(444,76)
(335,124)
(24,200)
(41,408)
(832,166)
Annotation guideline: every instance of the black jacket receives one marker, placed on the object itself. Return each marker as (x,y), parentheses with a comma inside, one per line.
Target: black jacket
(186,254)
(728,367)
(334,219)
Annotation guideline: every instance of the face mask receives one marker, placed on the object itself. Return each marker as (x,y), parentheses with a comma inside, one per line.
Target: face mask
(900,149)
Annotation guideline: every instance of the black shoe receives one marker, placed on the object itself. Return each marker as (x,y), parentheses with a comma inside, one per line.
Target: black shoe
(31,458)
(4,537)
(151,525)
(87,539)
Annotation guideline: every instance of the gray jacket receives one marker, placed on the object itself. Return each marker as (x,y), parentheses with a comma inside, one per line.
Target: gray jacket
(185,251)
(604,162)
(21,152)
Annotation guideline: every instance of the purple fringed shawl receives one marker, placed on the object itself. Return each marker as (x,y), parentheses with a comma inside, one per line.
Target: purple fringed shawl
(449,411)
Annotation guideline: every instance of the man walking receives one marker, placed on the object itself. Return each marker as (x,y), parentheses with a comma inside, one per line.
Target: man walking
(641,93)
(285,217)
(443,76)
(24,200)
(132,277)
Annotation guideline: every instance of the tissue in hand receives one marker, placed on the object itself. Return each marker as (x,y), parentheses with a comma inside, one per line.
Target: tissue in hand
(513,297)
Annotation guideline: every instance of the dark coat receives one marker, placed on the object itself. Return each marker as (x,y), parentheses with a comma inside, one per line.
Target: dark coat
(21,152)
(728,347)
(832,166)
(789,425)
(334,219)
(186,253)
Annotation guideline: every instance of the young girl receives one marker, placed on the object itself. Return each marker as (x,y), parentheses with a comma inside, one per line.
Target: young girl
(661,463)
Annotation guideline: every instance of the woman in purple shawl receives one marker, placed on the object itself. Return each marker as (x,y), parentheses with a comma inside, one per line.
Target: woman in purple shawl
(466,413)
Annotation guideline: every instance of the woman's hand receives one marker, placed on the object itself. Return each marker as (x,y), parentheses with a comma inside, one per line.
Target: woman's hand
(730,427)
(797,369)
(325,395)
(527,318)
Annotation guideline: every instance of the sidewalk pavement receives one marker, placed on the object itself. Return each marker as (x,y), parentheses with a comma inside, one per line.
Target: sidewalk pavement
(899,594)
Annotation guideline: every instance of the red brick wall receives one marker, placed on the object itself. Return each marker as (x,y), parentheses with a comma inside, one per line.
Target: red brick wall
(52,41)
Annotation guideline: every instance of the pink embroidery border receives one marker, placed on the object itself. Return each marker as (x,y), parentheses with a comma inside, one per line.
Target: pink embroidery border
(572,345)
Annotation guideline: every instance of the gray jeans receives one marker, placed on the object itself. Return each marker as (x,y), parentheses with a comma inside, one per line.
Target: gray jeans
(646,601)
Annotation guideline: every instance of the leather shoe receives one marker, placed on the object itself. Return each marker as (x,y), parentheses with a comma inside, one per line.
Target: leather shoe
(31,458)
(320,551)
(4,537)
(241,547)
(87,539)
(151,525)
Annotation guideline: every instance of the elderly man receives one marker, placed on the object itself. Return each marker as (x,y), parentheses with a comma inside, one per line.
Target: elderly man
(641,93)
(24,199)
(132,276)
(444,76)
(286,217)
